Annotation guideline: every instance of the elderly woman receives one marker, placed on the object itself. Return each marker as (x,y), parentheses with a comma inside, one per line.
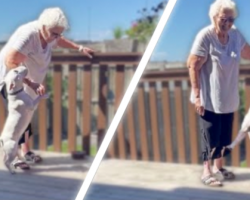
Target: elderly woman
(214,71)
(31,45)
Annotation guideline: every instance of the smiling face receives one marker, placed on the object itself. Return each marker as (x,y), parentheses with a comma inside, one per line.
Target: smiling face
(224,20)
(50,34)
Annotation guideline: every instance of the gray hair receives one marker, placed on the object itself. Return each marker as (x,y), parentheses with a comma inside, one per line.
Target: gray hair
(53,17)
(219,5)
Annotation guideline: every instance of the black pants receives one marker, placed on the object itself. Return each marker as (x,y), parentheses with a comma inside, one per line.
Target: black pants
(216,132)
(29,128)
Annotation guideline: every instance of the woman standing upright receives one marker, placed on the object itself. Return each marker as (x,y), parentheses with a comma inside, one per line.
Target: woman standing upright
(214,73)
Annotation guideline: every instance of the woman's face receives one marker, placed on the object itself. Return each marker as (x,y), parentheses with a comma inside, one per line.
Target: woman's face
(50,34)
(224,20)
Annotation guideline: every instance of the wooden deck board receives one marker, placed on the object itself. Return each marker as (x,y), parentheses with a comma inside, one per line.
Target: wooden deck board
(60,178)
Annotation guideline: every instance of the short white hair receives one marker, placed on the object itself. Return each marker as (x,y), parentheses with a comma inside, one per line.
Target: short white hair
(53,17)
(219,5)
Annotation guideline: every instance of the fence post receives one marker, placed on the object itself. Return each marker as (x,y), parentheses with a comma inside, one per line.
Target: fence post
(102,104)
(86,107)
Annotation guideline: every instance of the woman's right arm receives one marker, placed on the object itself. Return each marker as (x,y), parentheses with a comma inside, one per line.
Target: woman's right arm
(12,60)
(194,65)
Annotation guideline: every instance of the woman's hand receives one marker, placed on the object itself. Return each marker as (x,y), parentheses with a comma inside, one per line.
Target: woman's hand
(38,88)
(87,51)
(198,107)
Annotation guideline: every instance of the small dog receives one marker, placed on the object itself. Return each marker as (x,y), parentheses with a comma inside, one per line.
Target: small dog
(244,130)
(19,106)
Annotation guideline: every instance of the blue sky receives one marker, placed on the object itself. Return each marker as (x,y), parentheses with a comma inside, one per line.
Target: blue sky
(187,18)
(98,16)
(95,19)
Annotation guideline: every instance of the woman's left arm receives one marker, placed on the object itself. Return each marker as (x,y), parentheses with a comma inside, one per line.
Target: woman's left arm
(65,43)
(245,52)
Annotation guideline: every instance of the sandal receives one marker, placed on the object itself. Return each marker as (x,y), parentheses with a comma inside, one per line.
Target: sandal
(211,181)
(31,157)
(223,174)
(21,164)
(227,174)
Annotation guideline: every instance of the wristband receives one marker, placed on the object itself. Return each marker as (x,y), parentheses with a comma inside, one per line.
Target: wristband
(81,48)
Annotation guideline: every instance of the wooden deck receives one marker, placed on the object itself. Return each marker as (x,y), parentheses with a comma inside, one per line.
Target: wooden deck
(59,178)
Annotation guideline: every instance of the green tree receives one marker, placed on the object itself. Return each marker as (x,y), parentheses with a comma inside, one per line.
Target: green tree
(143,27)
(118,32)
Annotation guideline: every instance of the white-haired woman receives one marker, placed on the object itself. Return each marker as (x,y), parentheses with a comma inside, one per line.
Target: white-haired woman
(214,71)
(31,45)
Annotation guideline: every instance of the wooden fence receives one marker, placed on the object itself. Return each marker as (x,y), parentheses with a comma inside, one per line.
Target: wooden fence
(159,124)
(166,123)
(78,89)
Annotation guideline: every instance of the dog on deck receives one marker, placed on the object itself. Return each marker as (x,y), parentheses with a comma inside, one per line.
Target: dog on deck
(19,106)
(243,132)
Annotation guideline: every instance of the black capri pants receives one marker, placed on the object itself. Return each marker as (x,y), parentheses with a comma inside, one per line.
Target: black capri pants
(29,128)
(216,133)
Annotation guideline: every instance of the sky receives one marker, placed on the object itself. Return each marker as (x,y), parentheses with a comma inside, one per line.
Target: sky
(187,18)
(96,19)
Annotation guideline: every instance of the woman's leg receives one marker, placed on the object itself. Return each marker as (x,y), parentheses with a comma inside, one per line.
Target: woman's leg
(210,125)
(24,140)
(225,140)
(28,155)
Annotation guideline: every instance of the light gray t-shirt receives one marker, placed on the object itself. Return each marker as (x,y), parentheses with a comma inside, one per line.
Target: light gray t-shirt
(219,75)
(26,40)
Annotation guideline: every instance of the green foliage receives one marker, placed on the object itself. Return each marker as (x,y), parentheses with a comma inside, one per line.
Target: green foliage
(93,149)
(49,87)
(242,103)
(243,163)
(143,27)
(118,32)
(142,31)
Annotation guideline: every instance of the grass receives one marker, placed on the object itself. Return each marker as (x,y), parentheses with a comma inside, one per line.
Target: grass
(243,163)
(93,149)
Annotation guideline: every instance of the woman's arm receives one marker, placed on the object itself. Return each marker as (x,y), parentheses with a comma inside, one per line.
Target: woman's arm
(65,43)
(12,60)
(194,65)
(245,52)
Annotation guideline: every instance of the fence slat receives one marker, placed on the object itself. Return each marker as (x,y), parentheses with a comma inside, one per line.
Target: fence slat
(131,125)
(179,122)
(86,107)
(154,120)
(131,130)
(72,89)
(236,151)
(102,108)
(42,123)
(247,92)
(193,132)
(119,95)
(57,106)
(111,149)
(142,122)
(167,122)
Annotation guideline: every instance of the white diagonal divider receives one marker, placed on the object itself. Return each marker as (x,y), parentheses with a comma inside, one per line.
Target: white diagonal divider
(126,98)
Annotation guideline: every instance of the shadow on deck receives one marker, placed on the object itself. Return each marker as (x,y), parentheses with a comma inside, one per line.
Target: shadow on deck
(60,178)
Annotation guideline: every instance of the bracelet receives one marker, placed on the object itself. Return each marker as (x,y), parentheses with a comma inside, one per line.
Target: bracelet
(81,48)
